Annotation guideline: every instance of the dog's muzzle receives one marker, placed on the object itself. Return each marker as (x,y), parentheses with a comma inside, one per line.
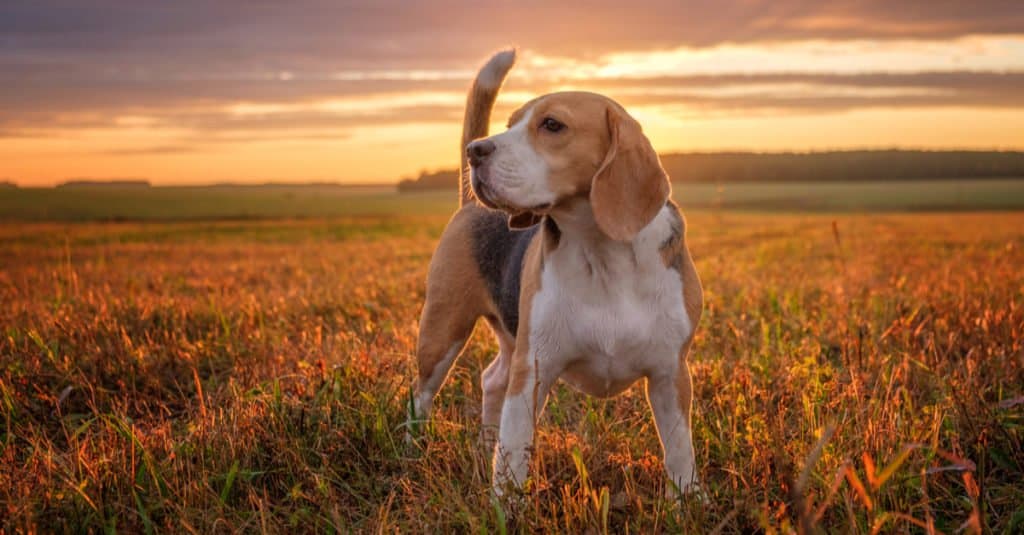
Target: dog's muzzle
(478,152)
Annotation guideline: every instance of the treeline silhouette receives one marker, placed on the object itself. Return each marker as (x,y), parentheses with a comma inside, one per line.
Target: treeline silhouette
(105,183)
(835,166)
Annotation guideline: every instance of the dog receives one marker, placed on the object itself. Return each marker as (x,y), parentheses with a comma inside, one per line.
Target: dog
(578,262)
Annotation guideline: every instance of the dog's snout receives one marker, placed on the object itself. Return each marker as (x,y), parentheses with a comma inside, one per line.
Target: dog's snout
(479,150)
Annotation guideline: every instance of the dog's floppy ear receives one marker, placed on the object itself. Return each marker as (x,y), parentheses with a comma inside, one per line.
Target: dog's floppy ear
(523,220)
(630,187)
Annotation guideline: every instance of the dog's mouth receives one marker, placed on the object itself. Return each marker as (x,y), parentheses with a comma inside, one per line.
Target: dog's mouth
(491,199)
(487,194)
(483,191)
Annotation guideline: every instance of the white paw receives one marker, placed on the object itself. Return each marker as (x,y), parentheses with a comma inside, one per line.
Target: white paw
(690,491)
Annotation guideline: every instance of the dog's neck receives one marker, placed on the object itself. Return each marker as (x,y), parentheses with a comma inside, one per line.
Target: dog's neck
(575,220)
(582,240)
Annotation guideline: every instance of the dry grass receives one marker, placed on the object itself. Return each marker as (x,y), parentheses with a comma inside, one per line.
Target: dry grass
(255,376)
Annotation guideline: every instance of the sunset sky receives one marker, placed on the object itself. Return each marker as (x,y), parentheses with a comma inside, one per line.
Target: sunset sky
(199,91)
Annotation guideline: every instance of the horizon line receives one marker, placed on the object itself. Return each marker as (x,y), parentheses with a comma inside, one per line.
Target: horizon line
(6,181)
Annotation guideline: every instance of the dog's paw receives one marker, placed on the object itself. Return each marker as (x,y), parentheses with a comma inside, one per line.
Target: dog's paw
(510,498)
(414,434)
(408,436)
(691,492)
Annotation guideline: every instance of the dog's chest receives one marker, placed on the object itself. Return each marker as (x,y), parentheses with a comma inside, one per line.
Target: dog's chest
(608,320)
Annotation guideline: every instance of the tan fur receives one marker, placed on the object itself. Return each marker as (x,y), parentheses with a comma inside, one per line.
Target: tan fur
(631,186)
(604,156)
(602,159)
(684,383)
(693,293)
(529,286)
(675,254)
(573,159)
(456,295)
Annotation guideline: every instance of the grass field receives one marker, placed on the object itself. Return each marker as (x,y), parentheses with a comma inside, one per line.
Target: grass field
(110,203)
(853,373)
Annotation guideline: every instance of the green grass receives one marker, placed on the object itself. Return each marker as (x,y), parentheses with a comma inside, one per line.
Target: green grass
(269,202)
(852,373)
(226,202)
(924,195)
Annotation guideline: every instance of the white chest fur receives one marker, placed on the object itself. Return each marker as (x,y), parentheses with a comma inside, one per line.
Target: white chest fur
(609,313)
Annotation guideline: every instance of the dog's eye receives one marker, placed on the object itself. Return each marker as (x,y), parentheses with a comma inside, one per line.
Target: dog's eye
(551,125)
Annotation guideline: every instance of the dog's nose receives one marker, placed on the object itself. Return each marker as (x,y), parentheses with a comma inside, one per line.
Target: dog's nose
(479,150)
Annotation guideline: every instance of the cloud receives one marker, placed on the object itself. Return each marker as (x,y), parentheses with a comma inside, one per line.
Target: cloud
(332,108)
(311,119)
(179,148)
(185,66)
(821,92)
(261,35)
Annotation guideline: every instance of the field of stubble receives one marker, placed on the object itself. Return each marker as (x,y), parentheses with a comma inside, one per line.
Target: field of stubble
(853,373)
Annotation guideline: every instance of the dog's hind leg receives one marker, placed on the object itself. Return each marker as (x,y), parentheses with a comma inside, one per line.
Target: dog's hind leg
(443,334)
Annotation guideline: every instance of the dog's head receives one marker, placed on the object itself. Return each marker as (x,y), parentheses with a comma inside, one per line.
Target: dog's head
(567,146)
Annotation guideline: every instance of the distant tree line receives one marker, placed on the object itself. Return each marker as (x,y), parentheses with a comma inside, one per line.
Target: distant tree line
(102,183)
(444,179)
(837,166)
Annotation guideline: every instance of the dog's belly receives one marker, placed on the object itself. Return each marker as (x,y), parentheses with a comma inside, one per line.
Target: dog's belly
(592,376)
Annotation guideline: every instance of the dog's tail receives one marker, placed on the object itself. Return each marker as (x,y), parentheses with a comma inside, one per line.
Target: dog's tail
(478,111)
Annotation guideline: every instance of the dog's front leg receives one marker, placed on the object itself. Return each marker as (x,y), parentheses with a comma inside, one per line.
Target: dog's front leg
(495,383)
(527,391)
(670,396)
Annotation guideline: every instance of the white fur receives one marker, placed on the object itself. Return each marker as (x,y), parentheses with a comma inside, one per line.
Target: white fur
(607,314)
(493,73)
(610,309)
(515,171)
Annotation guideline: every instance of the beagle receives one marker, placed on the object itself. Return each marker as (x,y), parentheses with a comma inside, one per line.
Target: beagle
(578,263)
